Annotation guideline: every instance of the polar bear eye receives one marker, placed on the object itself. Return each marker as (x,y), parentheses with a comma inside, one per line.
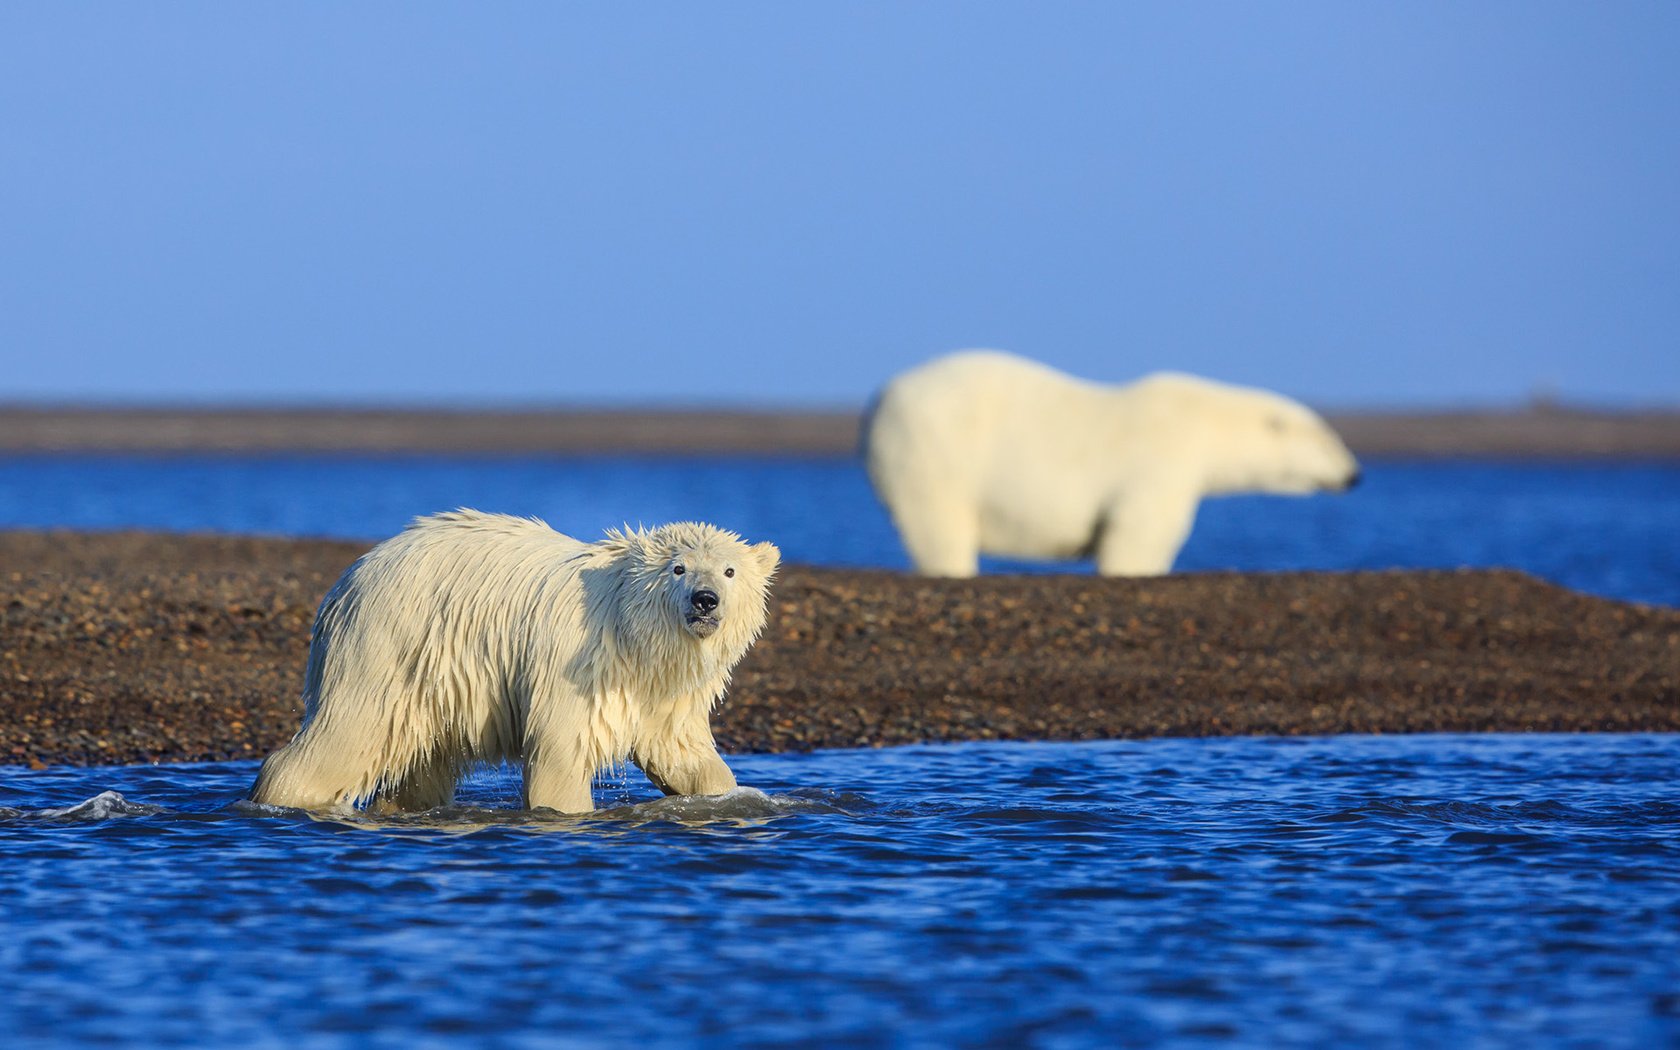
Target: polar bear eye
(678,571)
(729,572)
(1276,423)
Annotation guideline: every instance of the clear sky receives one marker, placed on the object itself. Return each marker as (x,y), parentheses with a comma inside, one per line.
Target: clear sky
(1361,204)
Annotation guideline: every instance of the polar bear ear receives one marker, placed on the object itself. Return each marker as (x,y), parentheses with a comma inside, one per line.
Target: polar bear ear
(767,556)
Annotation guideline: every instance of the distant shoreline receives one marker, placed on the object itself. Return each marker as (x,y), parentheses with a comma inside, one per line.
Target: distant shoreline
(1532,433)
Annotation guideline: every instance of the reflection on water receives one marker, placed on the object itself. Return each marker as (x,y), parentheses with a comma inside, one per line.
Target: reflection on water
(1509,890)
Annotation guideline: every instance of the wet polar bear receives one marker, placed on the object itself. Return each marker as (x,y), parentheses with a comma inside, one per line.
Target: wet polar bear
(473,637)
(983,451)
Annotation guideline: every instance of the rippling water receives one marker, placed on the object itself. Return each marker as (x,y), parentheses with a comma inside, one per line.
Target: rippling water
(1433,890)
(1438,890)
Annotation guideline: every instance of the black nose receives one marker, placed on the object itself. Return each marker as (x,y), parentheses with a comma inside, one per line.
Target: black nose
(1353,479)
(704,601)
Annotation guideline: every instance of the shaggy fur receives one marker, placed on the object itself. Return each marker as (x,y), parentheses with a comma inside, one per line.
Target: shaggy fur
(983,451)
(481,638)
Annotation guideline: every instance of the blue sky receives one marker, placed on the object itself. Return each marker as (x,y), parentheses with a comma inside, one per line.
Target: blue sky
(767,204)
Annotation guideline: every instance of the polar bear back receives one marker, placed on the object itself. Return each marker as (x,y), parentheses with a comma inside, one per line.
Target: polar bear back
(986,451)
(427,640)
(450,586)
(977,426)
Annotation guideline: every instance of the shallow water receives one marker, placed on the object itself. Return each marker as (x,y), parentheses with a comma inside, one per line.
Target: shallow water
(1604,528)
(1435,890)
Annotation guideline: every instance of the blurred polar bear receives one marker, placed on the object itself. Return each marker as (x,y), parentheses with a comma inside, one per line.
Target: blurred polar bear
(982,451)
(471,638)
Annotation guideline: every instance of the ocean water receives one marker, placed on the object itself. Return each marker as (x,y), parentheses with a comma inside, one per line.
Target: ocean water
(1604,528)
(1517,891)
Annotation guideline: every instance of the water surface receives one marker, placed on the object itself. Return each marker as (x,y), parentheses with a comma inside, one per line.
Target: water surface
(1604,528)
(1430,890)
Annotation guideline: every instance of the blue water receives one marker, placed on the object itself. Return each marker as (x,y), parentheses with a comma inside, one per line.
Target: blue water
(1515,891)
(1607,529)
(1448,891)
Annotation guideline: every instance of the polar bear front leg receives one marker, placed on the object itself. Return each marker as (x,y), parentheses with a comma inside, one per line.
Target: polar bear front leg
(941,531)
(1144,530)
(557,787)
(558,778)
(686,767)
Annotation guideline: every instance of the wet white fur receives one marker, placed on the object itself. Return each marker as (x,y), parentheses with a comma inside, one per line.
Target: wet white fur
(983,451)
(481,638)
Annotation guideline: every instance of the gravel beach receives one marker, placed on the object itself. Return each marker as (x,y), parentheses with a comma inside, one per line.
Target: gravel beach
(138,647)
(1536,431)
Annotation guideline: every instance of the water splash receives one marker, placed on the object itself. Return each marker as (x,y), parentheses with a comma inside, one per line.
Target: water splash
(104,806)
(743,805)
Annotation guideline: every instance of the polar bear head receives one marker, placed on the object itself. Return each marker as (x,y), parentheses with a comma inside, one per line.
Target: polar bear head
(697,580)
(1253,440)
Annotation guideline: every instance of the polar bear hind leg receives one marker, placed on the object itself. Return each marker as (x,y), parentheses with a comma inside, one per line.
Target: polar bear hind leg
(305,776)
(429,784)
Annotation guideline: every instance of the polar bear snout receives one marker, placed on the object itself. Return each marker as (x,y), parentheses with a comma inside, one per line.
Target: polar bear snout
(701,618)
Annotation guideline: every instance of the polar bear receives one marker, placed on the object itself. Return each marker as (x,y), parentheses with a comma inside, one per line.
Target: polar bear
(471,638)
(984,451)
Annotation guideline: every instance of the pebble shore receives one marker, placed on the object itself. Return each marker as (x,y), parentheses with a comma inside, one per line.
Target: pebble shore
(140,648)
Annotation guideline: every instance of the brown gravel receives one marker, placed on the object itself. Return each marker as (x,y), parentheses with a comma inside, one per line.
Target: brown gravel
(140,647)
(1543,430)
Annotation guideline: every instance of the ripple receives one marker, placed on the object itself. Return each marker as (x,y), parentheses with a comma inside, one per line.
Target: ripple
(1509,890)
